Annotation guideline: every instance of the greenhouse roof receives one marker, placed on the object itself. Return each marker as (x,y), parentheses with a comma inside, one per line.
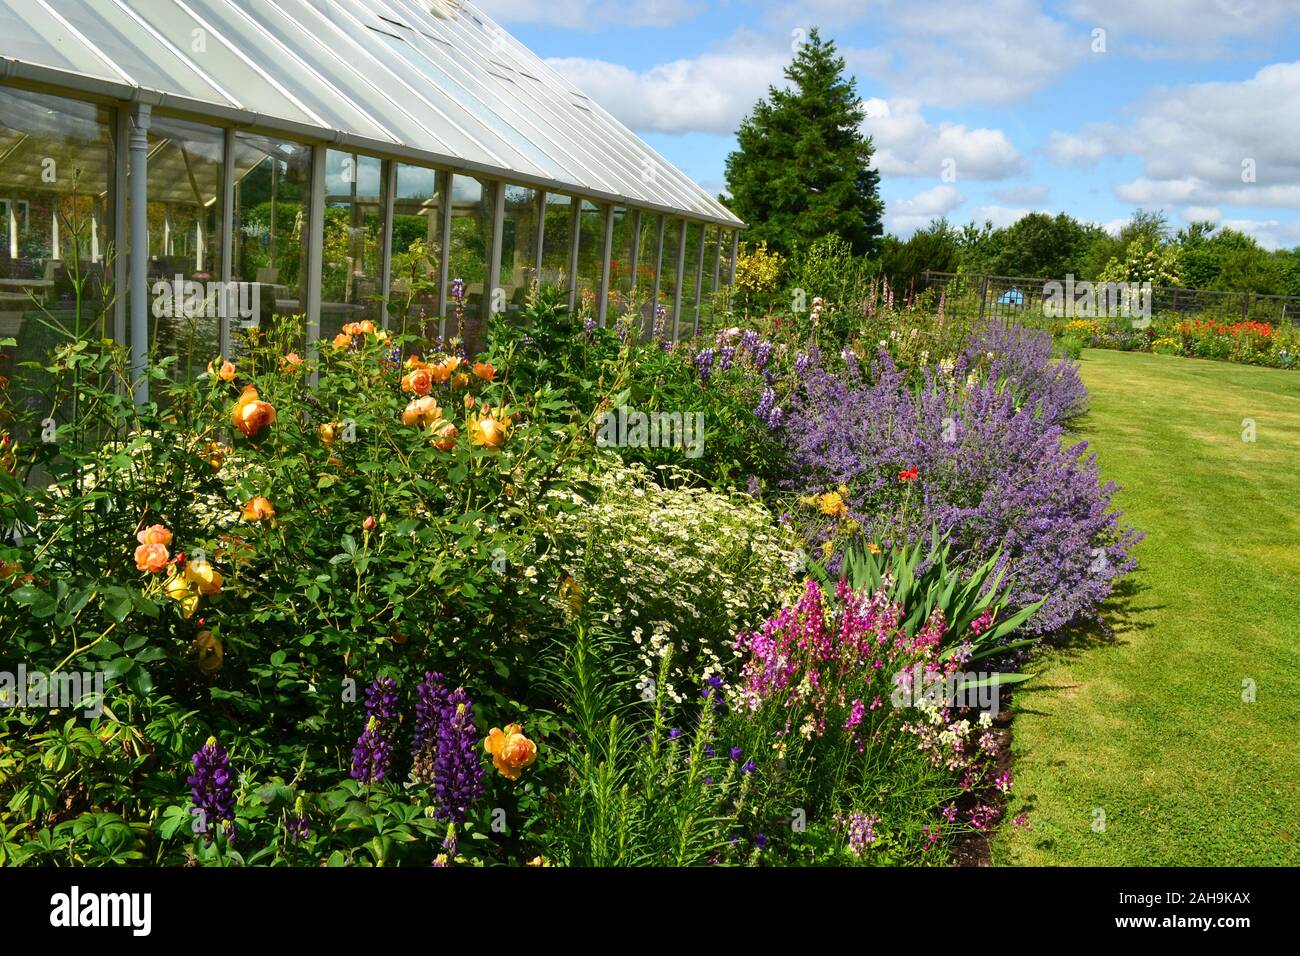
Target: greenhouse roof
(433,81)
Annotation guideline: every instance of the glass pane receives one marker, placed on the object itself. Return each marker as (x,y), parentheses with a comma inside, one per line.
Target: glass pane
(417,251)
(591,247)
(555,240)
(56,167)
(690,277)
(668,268)
(621,279)
(518,245)
(647,267)
(184,243)
(272,206)
(353,241)
(471,227)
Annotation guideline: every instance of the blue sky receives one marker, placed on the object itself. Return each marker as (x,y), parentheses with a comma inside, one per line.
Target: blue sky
(980,109)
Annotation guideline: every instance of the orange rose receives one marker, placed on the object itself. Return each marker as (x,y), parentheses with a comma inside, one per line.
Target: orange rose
(290,361)
(328,432)
(484,371)
(511,751)
(421,411)
(342,340)
(227,373)
(446,434)
(366,327)
(460,380)
(251,414)
(488,432)
(352,328)
(414,361)
(151,557)
(154,534)
(257,508)
(440,372)
(419,381)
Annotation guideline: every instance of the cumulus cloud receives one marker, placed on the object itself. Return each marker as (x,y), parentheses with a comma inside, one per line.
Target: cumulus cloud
(1202,24)
(1205,144)
(1086,149)
(709,93)
(1001,216)
(954,52)
(904,216)
(908,145)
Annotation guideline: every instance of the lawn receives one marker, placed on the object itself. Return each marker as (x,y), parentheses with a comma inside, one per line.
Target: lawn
(1152,725)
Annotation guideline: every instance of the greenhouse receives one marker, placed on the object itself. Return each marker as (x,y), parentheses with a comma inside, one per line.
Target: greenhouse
(324,158)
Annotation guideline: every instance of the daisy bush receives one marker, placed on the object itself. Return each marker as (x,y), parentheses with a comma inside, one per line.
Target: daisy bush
(680,569)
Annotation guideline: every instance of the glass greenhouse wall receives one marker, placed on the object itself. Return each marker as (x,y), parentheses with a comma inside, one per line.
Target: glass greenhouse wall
(404,161)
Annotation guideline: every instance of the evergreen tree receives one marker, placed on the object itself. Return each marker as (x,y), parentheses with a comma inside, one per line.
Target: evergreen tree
(802,167)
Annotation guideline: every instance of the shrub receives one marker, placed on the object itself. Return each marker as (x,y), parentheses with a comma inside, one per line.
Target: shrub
(682,569)
(964,457)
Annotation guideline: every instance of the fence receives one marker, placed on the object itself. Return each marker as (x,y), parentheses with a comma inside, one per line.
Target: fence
(1010,296)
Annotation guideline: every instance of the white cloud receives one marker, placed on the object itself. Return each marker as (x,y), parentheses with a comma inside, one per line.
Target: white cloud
(591,15)
(1001,216)
(1202,144)
(904,216)
(1181,22)
(908,145)
(1269,233)
(709,93)
(1069,149)
(1202,214)
(953,52)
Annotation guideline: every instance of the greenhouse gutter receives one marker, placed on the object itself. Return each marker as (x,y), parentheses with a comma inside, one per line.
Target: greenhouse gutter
(48,79)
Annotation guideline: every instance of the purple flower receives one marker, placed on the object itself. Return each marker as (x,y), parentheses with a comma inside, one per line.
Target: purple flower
(674,733)
(588,325)
(749,340)
(457,291)
(458,772)
(704,364)
(749,767)
(430,701)
(709,751)
(381,699)
(212,789)
(737,753)
(762,354)
(371,754)
(726,357)
(760,841)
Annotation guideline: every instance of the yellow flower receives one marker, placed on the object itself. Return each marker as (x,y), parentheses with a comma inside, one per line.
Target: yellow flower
(421,411)
(511,751)
(328,432)
(873,547)
(832,505)
(203,577)
(250,414)
(178,588)
(488,431)
(208,649)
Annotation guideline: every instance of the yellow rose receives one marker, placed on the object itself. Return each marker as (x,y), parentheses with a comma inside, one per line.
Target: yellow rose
(203,577)
(511,751)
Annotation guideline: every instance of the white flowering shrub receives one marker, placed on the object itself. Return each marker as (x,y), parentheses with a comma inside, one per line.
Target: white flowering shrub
(680,569)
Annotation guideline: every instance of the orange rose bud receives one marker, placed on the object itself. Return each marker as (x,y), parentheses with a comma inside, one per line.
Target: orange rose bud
(328,432)
(154,534)
(257,508)
(151,557)
(227,373)
(208,650)
(369,523)
(511,751)
(250,414)
(421,411)
(485,371)
(469,402)
(418,380)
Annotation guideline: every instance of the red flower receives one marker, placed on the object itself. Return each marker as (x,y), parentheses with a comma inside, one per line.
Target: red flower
(908,475)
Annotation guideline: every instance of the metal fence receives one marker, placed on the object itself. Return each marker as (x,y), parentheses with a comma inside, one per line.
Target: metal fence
(1011,297)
